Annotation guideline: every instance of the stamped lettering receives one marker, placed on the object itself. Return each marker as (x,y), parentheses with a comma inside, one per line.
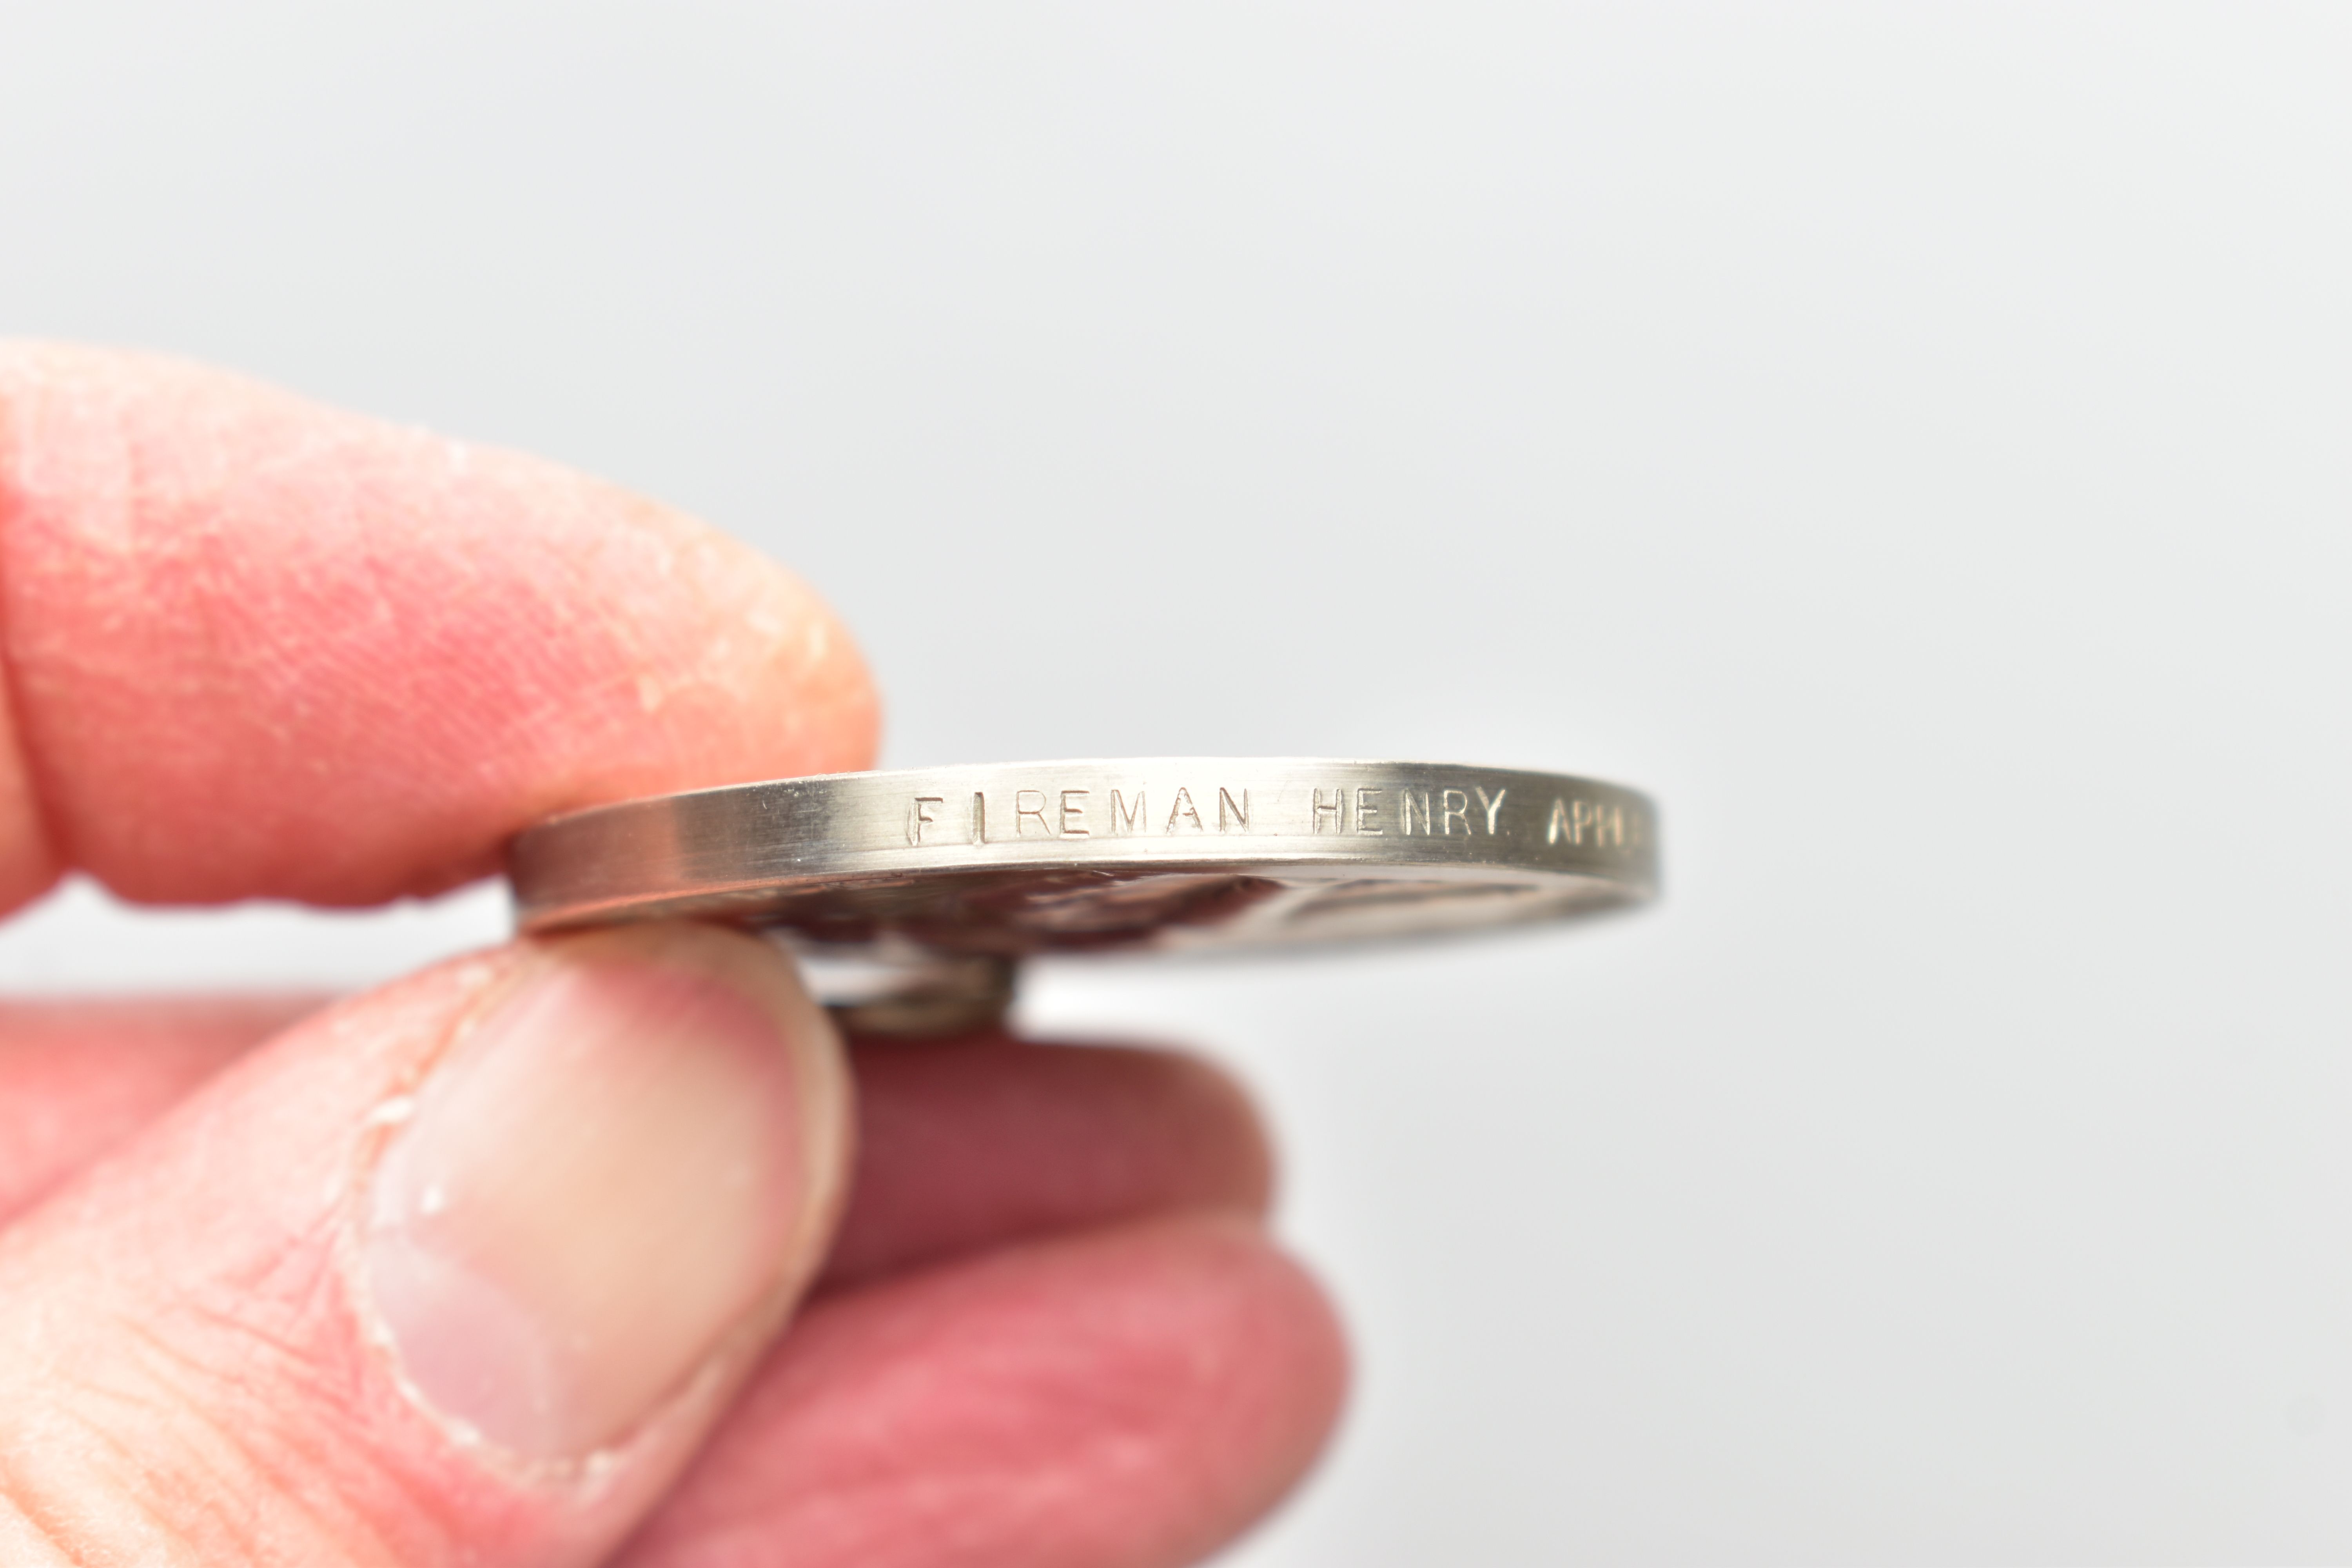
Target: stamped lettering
(1582,821)
(1125,819)
(1441,812)
(1406,802)
(1452,806)
(1024,813)
(1396,809)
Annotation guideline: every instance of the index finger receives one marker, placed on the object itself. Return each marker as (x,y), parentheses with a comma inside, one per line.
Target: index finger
(256,648)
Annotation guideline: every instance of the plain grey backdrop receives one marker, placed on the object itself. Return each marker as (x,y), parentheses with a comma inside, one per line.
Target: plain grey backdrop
(1914,442)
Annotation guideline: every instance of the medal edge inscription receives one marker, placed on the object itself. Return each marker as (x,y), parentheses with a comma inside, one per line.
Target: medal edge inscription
(1156,811)
(1579,816)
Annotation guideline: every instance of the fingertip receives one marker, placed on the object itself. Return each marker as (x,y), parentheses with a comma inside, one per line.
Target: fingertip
(624,1171)
(1222,1106)
(1297,1348)
(259,646)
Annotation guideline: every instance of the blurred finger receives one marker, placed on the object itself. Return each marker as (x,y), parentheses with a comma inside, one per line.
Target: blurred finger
(1130,1397)
(970,1143)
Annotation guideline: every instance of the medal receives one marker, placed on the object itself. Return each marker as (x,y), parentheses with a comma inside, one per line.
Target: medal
(914,893)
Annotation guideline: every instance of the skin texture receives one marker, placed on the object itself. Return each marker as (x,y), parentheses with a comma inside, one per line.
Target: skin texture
(78,1078)
(257,648)
(254,647)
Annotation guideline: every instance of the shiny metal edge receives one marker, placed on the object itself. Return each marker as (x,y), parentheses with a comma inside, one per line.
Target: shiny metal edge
(730,850)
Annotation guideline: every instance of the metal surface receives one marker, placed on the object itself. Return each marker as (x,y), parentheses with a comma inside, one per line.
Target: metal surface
(1001,862)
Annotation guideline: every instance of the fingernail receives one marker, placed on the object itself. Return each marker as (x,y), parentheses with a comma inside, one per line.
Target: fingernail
(631,1157)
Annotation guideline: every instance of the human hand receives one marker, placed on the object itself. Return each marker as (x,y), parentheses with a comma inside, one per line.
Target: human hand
(489,1265)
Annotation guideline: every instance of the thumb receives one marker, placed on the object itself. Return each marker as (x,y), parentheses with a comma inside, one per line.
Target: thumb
(460,1270)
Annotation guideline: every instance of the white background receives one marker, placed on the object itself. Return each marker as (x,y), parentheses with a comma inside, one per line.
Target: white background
(1914,442)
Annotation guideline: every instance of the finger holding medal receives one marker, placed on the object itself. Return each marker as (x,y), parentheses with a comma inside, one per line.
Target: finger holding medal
(597,1245)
